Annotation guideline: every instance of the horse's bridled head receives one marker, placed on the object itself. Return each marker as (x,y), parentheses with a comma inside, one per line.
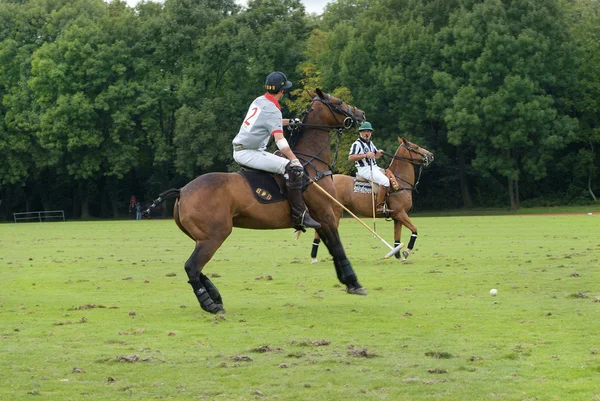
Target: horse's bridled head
(356,118)
(352,114)
(426,157)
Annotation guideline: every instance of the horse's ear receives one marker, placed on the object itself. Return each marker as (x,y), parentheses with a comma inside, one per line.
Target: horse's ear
(320,94)
(311,94)
(401,140)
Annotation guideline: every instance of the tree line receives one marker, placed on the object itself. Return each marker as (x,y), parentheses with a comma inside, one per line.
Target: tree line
(100,101)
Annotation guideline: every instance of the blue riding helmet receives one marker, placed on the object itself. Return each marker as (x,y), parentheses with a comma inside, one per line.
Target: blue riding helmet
(277,81)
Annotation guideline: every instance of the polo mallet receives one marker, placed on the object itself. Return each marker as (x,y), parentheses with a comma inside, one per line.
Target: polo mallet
(393,250)
(372,194)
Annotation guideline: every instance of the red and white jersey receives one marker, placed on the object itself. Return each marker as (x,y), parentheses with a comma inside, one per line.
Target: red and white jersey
(262,121)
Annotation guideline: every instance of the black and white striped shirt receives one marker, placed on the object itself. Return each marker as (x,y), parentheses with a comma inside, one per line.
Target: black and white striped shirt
(362,147)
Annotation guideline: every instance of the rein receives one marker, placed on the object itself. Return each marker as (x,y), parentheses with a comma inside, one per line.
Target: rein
(420,163)
(298,130)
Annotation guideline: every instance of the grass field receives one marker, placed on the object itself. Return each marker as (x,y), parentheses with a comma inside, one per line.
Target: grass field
(102,311)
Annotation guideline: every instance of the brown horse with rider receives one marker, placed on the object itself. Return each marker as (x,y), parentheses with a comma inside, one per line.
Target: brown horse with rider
(208,207)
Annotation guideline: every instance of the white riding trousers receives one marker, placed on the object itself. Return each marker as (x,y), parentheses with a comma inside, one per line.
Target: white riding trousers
(378,175)
(261,160)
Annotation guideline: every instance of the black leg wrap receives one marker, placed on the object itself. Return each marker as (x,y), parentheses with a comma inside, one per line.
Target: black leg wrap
(315,248)
(204,298)
(213,292)
(397,254)
(345,273)
(413,239)
(195,285)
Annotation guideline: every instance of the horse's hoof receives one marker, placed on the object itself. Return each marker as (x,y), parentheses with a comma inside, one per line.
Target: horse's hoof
(215,309)
(314,260)
(357,290)
(405,253)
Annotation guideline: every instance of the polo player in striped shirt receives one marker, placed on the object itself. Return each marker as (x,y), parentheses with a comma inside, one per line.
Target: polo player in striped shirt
(364,153)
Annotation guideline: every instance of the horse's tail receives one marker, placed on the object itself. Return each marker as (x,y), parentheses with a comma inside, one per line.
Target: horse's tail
(168,194)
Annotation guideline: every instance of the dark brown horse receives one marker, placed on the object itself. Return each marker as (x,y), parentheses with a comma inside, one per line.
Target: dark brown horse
(208,207)
(402,167)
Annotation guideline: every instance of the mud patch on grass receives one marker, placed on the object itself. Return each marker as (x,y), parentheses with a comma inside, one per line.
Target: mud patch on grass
(266,348)
(87,306)
(439,354)
(316,343)
(421,381)
(360,352)
(132,358)
(68,322)
(132,332)
(241,358)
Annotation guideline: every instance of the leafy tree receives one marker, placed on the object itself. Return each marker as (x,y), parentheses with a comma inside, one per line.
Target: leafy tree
(24,27)
(99,101)
(226,70)
(84,83)
(311,79)
(502,61)
(385,52)
(582,163)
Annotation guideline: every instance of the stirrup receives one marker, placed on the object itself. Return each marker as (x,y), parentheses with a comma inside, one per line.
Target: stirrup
(301,222)
(382,209)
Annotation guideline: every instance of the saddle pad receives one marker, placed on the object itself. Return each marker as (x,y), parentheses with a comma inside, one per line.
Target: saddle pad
(362,187)
(263,186)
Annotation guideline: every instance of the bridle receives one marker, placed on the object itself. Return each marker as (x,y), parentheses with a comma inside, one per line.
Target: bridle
(425,159)
(351,118)
(423,162)
(337,108)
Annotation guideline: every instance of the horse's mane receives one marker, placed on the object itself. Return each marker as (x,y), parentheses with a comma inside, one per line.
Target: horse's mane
(293,135)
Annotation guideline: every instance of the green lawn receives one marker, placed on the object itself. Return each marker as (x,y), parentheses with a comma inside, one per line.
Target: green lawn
(102,311)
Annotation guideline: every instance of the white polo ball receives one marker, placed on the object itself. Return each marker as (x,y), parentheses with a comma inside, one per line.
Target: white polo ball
(493,292)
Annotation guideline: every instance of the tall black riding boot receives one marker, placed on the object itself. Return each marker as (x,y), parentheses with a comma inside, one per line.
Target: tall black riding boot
(300,216)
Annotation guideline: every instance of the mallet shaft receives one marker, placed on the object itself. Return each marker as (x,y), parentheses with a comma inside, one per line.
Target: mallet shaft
(394,250)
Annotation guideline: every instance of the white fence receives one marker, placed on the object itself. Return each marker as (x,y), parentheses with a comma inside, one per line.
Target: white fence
(51,215)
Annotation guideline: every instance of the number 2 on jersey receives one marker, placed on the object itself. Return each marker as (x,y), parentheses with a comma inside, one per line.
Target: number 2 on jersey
(251,116)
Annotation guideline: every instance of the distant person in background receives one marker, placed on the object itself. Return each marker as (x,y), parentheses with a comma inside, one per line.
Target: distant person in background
(138,211)
(132,202)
